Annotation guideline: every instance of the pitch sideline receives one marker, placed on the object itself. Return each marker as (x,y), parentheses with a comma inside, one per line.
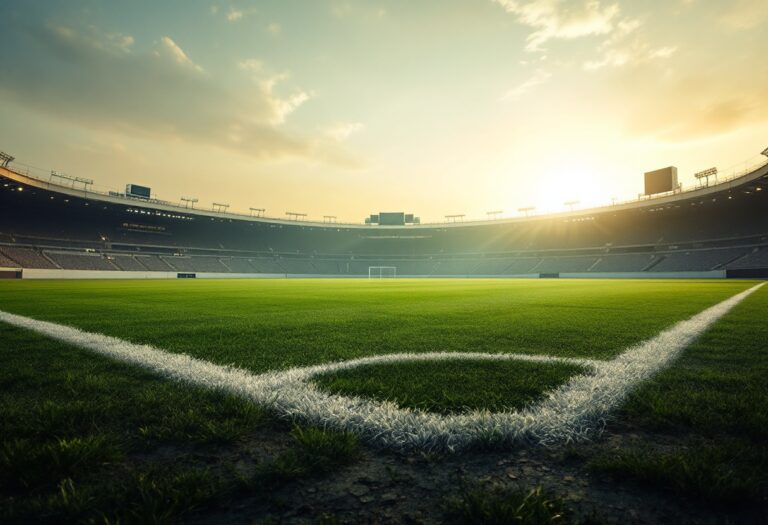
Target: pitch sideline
(572,412)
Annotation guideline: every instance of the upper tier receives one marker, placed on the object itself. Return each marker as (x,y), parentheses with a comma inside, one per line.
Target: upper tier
(33,208)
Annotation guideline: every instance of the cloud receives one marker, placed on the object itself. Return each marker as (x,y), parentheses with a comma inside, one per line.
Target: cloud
(94,82)
(172,49)
(274,28)
(280,108)
(627,46)
(676,106)
(233,15)
(559,19)
(538,78)
(635,53)
(343,130)
(357,10)
(251,64)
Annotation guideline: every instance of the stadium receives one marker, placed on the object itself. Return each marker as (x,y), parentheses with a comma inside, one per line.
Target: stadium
(710,231)
(174,349)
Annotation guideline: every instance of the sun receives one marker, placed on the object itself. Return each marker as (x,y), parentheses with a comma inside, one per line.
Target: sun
(569,184)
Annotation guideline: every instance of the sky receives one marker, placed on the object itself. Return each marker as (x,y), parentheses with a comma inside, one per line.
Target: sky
(347,108)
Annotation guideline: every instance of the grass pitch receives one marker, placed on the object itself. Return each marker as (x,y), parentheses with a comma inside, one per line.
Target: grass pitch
(452,386)
(85,439)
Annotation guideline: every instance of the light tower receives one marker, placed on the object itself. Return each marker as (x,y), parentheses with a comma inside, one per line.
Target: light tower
(571,204)
(6,159)
(189,201)
(706,174)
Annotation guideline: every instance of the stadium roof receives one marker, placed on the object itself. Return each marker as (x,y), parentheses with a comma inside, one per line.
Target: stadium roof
(726,184)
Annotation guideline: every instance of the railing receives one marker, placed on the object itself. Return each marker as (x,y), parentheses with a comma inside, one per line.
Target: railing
(43,176)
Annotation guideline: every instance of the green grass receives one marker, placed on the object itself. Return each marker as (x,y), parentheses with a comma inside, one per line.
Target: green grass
(451,386)
(726,472)
(712,409)
(315,452)
(478,504)
(263,324)
(85,439)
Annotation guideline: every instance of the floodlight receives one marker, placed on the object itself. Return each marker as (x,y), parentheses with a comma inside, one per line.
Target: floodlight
(711,172)
(219,207)
(6,159)
(72,180)
(190,201)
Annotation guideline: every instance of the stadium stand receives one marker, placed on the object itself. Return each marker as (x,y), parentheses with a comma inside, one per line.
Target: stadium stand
(755,258)
(627,262)
(80,261)
(179,263)
(697,260)
(27,257)
(207,263)
(566,264)
(239,265)
(126,263)
(154,263)
(5,262)
(721,227)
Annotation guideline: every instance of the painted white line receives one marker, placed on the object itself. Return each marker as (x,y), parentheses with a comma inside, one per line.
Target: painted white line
(573,412)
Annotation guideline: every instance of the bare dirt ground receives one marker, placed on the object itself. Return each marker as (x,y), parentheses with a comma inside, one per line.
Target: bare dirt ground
(385,487)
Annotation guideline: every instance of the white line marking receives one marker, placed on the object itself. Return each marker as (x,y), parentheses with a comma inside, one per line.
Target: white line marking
(575,411)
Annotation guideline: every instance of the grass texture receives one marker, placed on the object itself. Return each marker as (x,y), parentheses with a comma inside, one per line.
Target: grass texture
(452,386)
(713,407)
(265,324)
(89,440)
(81,434)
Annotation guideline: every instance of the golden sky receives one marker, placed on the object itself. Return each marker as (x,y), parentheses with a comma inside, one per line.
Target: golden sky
(351,107)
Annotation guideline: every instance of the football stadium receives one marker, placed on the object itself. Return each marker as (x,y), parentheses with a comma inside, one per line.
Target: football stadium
(187,360)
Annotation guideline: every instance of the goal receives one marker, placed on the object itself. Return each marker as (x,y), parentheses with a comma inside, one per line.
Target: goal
(382,272)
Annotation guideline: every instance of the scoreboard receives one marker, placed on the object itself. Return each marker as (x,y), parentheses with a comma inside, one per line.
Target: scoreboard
(661,181)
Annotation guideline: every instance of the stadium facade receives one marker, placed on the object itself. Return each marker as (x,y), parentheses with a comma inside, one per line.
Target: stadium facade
(50,227)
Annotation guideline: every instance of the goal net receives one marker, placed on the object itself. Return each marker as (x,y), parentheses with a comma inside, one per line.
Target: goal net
(382,272)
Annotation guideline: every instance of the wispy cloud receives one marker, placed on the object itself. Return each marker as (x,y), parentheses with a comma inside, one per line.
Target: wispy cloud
(281,107)
(538,78)
(233,15)
(252,65)
(343,130)
(562,20)
(628,45)
(94,82)
(172,50)
(274,28)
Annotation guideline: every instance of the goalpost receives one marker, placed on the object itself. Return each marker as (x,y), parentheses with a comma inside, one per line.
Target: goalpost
(382,272)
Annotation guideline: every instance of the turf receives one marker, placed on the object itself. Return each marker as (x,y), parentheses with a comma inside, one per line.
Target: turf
(272,324)
(712,409)
(85,439)
(452,386)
